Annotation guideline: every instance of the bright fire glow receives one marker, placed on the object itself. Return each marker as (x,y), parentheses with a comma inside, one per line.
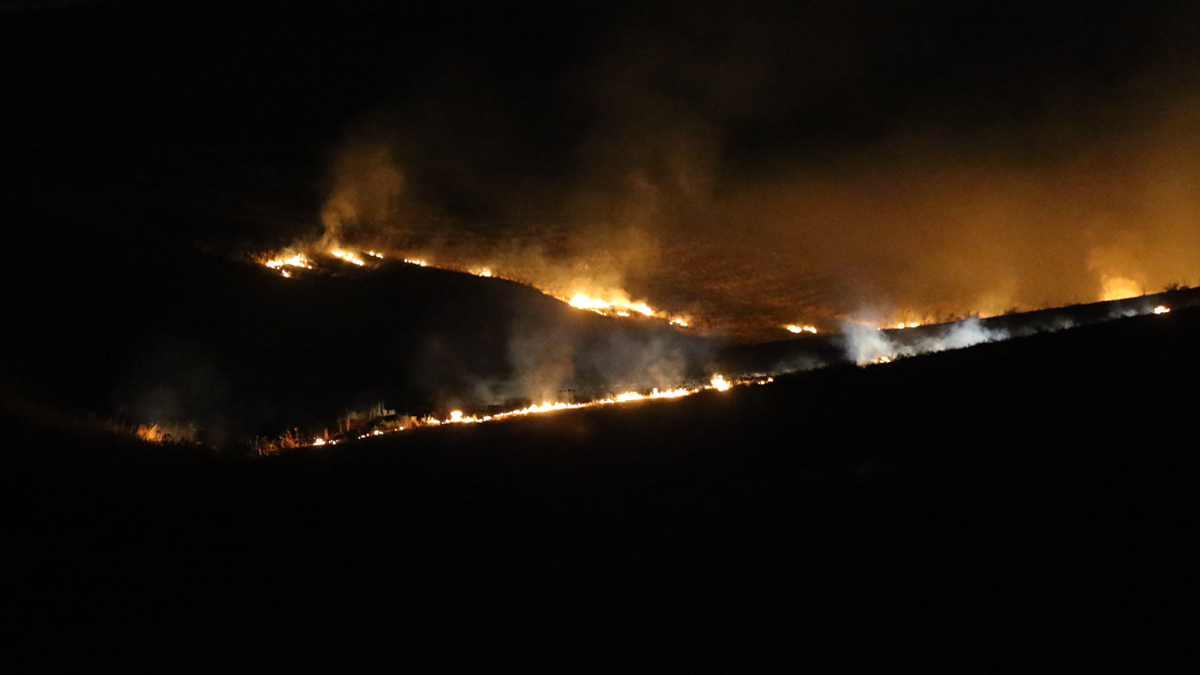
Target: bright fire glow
(793,328)
(280,262)
(612,302)
(347,256)
(1119,288)
(911,324)
(622,307)
(581,301)
(1161,309)
(718,383)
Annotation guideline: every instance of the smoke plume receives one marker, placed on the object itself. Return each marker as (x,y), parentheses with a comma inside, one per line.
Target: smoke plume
(781,164)
(866,345)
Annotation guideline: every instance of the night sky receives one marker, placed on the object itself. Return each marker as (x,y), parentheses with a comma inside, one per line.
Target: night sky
(868,150)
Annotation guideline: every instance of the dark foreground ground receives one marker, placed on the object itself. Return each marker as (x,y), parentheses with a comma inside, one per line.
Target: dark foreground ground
(1026,506)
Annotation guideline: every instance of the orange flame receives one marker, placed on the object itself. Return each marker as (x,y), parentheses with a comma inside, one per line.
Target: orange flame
(611,303)
(280,262)
(347,256)
(718,383)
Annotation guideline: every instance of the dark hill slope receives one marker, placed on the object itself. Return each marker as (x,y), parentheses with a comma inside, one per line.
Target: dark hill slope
(173,334)
(809,351)
(1018,506)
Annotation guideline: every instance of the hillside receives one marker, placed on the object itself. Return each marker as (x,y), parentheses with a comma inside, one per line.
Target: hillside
(1013,506)
(177,334)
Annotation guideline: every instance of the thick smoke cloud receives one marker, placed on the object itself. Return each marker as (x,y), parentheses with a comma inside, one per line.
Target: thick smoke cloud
(870,160)
(937,233)
(866,344)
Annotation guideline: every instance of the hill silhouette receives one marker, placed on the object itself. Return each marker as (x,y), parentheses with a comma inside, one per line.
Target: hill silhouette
(1012,506)
(177,334)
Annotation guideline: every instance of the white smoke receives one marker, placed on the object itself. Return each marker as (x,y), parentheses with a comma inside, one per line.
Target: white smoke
(866,344)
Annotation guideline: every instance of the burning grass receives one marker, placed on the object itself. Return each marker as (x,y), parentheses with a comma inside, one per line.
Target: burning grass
(613,302)
(379,421)
(863,343)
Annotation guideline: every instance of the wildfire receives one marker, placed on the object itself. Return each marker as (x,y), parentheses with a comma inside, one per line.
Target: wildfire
(581,301)
(280,262)
(347,256)
(717,383)
(910,324)
(616,304)
(793,328)
(1161,309)
(623,308)
(1119,288)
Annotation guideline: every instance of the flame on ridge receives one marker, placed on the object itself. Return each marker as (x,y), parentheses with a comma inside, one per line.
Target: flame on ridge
(717,383)
(280,262)
(793,328)
(581,301)
(347,256)
(620,306)
(617,304)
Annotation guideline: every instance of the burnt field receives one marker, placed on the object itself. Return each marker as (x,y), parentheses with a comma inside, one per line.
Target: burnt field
(1021,505)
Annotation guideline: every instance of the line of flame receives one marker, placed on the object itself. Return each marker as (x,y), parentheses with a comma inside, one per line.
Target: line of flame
(578,300)
(718,383)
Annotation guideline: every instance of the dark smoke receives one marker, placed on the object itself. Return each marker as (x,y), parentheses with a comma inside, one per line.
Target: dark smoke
(869,159)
